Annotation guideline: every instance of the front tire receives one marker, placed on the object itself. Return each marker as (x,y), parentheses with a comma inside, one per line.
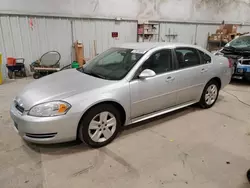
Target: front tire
(209,95)
(100,125)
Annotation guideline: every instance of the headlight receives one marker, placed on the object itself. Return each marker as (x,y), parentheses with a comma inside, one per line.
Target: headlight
(54,108)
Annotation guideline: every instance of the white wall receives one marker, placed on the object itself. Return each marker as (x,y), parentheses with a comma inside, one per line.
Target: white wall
(201,10)
(18,39)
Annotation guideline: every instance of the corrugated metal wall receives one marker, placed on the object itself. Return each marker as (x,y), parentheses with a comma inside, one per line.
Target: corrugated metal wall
(190,33)
(243,29)
(87,31)
(174,32)
(202,34)
(186,33)
(30,37)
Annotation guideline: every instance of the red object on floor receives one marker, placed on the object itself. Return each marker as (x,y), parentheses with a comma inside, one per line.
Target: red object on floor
(11,61)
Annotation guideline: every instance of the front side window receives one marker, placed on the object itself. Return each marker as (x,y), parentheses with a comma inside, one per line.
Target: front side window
(113,64)
(187,57)
(159,62)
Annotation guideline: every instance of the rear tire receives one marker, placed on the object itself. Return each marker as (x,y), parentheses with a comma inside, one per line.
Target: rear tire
(209,95)
(100,125)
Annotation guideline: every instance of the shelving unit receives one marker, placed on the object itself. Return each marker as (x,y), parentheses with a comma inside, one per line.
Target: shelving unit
(215,43)
(148,32)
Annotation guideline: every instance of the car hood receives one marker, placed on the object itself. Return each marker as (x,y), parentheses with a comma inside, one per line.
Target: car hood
(58,86)
(235,51)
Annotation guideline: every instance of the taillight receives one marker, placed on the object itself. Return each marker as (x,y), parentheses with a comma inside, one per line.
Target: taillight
(230,63)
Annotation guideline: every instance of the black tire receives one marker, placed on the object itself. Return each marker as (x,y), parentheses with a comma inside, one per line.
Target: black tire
(248,175)
(37,75)
(10,74)
(247,79)
(203,103)
(23,73)
(83,130)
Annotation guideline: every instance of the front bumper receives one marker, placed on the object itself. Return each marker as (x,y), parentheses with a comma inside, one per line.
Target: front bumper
(45,130)
(241,73)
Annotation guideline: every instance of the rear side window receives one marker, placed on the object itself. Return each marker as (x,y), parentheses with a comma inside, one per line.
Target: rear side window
(187,57)
(205,58)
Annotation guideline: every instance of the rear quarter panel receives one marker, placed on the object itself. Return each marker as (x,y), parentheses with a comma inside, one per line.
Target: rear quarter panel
(222,70)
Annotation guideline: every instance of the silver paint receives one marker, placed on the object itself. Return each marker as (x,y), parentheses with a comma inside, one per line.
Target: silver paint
(140,98)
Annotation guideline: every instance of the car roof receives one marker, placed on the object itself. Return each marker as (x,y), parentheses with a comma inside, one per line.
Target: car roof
(145,46)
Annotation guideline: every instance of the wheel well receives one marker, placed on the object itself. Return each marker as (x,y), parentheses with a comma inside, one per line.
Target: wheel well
(115,104)
(217,80)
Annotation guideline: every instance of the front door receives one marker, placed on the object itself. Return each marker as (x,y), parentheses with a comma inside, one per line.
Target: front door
(155,93)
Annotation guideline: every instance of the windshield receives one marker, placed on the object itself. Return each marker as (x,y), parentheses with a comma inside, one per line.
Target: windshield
(240,42)
(113,64)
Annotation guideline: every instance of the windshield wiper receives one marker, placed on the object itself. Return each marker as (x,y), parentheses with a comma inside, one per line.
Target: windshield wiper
(95,74)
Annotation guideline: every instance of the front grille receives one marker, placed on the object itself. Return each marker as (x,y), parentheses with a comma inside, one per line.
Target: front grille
(41,136)
(245,62)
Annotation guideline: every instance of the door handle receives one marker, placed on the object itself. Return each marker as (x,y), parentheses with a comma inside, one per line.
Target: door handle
(204,70)
(170,79)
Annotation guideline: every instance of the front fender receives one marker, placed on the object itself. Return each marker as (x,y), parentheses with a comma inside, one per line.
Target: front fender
(81,103)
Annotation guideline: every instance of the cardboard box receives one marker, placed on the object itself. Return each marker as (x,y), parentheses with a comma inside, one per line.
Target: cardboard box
(215,37)
(221,31)
(230,28)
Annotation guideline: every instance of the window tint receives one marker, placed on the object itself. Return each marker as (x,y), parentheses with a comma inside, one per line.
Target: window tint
(187,57)
(159,62)
(204,58)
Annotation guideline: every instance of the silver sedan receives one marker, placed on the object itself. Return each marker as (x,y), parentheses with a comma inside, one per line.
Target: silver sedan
(124,85)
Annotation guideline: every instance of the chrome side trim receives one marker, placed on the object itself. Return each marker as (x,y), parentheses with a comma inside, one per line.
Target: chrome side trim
(155,114)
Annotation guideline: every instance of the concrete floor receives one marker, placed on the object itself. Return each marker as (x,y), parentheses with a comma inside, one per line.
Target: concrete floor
(189,148)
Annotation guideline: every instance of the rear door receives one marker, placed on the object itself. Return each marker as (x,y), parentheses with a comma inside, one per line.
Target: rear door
(192,74)
(205,71)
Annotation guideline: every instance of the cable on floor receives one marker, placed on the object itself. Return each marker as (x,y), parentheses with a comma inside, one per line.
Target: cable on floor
(237,98)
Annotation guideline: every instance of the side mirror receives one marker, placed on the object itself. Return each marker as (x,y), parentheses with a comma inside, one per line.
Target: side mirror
(147,73)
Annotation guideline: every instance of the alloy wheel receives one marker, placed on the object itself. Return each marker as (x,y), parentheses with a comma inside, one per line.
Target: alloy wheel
(102,127)
(211,94)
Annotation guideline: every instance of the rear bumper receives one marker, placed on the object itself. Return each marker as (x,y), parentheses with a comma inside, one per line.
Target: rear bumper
(44,130)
